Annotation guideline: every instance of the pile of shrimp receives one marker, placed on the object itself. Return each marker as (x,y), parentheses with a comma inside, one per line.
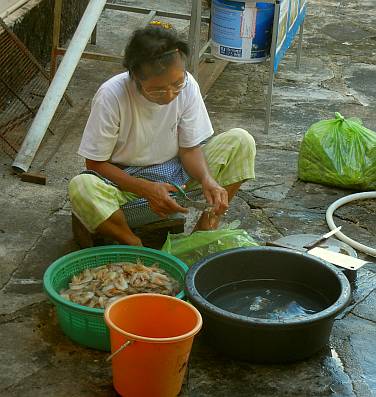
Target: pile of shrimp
(97,287)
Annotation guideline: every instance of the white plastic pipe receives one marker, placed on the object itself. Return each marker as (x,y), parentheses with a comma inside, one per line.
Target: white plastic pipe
(58,86)
(329,219)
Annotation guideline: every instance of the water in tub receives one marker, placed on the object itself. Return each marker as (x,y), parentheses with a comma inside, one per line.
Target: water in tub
(268,299)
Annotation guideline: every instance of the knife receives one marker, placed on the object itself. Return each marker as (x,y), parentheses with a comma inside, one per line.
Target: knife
(188,202)
(322,238)
(199,205)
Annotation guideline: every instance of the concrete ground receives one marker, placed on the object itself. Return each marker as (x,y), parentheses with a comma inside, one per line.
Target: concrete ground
(337,74)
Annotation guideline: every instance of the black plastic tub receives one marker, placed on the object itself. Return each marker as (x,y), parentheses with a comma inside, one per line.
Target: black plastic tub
(265,340)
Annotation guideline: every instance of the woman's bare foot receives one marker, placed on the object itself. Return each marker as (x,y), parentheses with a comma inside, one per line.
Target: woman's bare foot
(117,228)
(208,221)
(133,241)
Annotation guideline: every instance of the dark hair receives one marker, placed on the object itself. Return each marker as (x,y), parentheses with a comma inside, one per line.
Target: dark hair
(154,46)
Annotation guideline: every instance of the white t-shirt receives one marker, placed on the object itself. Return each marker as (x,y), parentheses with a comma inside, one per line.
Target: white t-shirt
(127,129)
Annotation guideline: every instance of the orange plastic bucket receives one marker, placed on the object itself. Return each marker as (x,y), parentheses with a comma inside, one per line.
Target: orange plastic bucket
(151,339)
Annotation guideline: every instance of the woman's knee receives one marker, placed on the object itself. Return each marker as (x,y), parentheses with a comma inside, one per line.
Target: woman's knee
(75,184)
(80,186)
(244,139)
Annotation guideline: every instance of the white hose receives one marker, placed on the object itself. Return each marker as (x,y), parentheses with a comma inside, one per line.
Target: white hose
(329,219)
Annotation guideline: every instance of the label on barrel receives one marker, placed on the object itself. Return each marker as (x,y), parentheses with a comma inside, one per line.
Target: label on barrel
(230,52)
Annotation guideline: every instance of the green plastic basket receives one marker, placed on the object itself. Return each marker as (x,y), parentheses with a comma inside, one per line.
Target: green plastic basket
(86,325)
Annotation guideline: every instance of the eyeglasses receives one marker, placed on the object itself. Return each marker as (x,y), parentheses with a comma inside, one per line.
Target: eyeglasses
(175,89)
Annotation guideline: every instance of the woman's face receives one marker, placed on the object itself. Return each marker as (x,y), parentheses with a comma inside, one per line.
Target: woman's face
(164,88)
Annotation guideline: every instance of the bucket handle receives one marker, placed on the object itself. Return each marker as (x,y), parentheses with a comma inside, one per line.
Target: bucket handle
(121,348)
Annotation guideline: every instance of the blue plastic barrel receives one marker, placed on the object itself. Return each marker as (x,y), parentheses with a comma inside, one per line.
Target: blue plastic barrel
(239,33)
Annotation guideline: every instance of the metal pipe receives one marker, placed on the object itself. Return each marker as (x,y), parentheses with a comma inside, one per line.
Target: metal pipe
(105,57)
(204,48)
(194,38)
(150,16)
(269,97)
(58,86)
(93,38)
(300,44)
(55,36)
(94,55)
(159,13)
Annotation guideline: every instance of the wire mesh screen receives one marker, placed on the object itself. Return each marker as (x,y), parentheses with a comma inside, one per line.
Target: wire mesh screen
(23,85)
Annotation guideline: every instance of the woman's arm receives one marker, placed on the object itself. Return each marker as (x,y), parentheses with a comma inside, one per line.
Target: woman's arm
(156,193)
(194,162)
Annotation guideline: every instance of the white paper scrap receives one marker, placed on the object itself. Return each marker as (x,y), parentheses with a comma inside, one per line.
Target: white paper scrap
(345,261)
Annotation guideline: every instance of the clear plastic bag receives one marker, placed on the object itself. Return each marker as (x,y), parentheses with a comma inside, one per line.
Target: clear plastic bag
(339,152)
(193,247)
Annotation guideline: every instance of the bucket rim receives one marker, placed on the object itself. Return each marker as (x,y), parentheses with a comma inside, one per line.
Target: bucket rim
(138,338)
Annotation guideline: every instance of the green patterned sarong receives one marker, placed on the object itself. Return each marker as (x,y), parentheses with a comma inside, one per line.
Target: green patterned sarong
(230,157)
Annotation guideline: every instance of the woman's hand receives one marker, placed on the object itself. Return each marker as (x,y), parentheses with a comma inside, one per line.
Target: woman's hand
(216,195)
(194,163)
(160,200)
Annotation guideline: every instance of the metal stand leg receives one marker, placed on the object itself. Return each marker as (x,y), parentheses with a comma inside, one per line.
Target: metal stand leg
(55,37)
(269,99)
(194,38)
(300,43)
(150,17)
(271,68)
(93,37)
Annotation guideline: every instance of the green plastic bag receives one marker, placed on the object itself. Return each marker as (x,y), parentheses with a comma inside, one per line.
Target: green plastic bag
(340,153)
(190,248)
